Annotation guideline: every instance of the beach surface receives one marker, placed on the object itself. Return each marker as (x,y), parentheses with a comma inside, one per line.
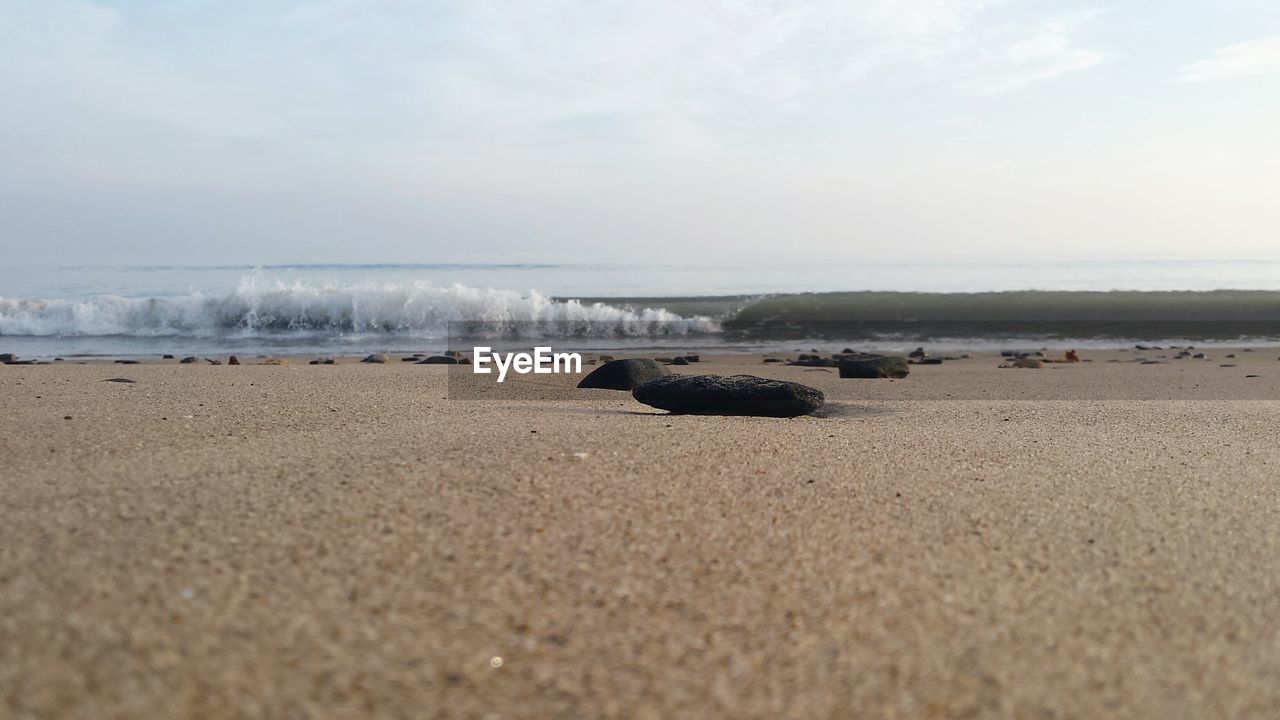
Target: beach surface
(1090,540)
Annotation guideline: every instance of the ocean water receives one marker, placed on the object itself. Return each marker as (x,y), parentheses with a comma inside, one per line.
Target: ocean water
(76,310)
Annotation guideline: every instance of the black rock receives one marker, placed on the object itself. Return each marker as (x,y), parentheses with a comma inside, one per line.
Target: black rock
(814,361)
(679,361)
(439,360)
(624,374)
(733,395)
(875,367)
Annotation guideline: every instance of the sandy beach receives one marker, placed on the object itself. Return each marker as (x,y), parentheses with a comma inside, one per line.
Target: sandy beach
(347,541)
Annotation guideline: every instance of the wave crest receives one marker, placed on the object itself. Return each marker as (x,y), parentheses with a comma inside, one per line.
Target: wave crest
(265,306)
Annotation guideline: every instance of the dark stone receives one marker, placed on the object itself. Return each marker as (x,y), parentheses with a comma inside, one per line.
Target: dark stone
(189,360)
(439,360)
(733,395)
(624,374)
(875,367)
(679,361)
(814,361)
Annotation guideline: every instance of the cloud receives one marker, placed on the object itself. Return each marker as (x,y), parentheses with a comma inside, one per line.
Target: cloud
(1024,55)
(1260,56)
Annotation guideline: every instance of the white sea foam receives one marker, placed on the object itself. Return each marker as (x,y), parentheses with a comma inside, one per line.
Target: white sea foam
(263,305)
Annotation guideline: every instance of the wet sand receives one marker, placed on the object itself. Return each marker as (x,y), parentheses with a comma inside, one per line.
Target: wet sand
(1092,540)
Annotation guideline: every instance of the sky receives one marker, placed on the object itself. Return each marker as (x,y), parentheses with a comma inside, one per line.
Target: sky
(264,131)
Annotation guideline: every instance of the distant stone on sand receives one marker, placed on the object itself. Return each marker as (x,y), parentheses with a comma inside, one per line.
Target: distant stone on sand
(379,358)
(814,361)
(624,374)
(880,366)
(732,395)
(439,360)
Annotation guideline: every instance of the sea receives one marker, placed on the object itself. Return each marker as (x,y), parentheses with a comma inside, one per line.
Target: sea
(139,311)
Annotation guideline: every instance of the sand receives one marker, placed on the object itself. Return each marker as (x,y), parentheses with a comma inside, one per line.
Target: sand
(1095,540)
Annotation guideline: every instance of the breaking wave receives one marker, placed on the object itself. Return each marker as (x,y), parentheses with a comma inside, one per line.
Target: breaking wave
(262,306)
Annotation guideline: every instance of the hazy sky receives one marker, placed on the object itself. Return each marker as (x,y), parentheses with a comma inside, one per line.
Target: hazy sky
(637,131)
